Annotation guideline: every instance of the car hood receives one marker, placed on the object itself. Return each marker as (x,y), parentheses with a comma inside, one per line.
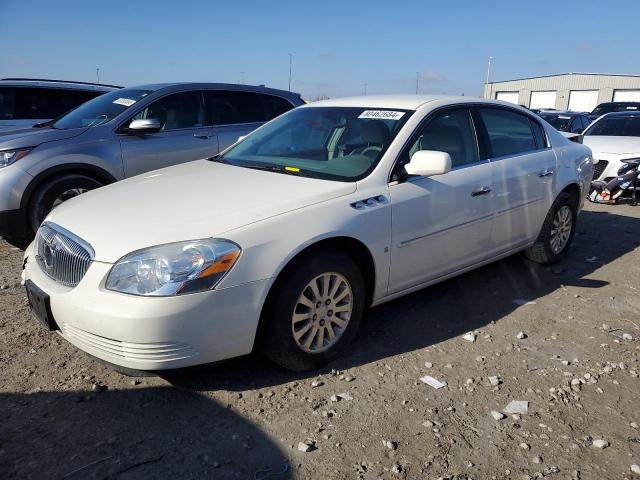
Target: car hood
(609,144)
(190,201)
(32,137)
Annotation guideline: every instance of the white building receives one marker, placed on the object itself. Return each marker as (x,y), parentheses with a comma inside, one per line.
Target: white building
(579,92)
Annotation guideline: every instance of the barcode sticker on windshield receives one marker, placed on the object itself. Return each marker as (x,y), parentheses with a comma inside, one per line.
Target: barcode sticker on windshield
(382,114)
(127,102)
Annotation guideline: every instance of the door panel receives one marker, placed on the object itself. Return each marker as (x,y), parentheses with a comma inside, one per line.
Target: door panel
(183,136)
(522,196)
(143,153)
(522,171)
(438,227)
(228,134)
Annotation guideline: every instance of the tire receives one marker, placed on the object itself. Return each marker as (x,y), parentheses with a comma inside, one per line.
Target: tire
(45,197)
(276,335)
(544,251)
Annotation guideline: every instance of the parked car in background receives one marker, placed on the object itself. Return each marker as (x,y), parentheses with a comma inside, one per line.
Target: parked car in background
(121,134)
(25,102)
(282,241)
(610,107)
(612,138)
(570,122)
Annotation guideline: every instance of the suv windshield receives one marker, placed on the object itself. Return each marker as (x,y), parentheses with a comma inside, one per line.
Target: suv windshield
(334,143)
(614,107)
(616,126)
(559,122)
(101,109)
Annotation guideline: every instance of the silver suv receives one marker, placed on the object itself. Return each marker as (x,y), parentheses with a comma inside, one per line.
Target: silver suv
(120,134)
(27,101)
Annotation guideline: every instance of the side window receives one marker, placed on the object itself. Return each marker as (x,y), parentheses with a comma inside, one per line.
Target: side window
(6,104)
(179,110)
(275,106)
(229,107)
(509,132)
(32,103)
(538,133)
(450,132)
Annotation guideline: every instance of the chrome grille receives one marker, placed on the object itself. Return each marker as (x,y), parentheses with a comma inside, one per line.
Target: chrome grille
(598,168)
(61,255)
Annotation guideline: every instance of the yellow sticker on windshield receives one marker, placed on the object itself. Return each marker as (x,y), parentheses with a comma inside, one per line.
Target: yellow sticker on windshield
(292,169)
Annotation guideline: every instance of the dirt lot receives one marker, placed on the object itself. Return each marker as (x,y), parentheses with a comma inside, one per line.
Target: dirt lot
(63,415)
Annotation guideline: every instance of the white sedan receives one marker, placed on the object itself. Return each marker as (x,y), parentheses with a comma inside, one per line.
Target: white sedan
(612,138)
(282,242)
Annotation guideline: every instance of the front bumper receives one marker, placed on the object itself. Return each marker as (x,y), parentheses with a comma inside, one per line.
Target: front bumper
(146,333)
(610,168)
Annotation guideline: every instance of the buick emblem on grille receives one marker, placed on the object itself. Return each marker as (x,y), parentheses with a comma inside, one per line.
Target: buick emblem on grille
(48,254)
(61,255)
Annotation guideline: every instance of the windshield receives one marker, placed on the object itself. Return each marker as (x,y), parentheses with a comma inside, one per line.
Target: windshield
(614,107)
(616,126)
(559,122)
(335,143)
(101,109)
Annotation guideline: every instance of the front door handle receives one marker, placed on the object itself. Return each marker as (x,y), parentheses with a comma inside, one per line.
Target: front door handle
(481,191)
(547,172)
(202,136)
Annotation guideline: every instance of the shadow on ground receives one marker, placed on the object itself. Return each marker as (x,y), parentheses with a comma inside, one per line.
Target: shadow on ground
(137,433)
(448,309)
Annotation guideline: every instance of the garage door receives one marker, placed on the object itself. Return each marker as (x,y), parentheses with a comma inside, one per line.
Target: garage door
(511,97)
(543,100)
(626,95)
(583,100)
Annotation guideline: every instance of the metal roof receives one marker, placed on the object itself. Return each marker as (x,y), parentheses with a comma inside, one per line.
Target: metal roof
(569,73)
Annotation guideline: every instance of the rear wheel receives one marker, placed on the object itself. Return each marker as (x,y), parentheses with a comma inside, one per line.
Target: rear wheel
(557,231)
(314,311)
(54,192)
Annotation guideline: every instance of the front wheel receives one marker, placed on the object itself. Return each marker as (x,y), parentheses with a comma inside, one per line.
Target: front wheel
(314,311)
(557,231)
(54,192)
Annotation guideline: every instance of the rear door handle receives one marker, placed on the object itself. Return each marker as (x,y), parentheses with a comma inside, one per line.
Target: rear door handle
(202,136)
(547,172)
(481,191)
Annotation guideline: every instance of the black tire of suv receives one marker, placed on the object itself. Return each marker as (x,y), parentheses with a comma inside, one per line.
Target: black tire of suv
(276,339)
(43,198)
(540,251)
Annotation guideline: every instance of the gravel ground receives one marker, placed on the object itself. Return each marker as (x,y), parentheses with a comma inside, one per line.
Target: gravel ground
(565,339)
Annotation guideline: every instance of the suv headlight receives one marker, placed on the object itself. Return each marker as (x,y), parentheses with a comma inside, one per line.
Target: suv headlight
(10,156)
(174,268)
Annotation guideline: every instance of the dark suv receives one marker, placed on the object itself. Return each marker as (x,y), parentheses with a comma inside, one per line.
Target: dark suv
(25,102)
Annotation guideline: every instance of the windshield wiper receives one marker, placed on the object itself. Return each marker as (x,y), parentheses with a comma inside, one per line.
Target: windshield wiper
(274,168)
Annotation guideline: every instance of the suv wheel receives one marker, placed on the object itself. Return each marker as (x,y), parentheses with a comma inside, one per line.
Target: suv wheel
(557,231)
(55,191)
(315,311)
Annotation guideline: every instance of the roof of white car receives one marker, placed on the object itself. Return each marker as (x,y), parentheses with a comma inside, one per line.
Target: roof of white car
(405,102)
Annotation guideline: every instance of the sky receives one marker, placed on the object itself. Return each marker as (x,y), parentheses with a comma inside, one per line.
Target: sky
(338,48)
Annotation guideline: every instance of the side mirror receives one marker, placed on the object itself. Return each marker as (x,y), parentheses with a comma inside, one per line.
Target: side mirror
(427,163)
(145,125)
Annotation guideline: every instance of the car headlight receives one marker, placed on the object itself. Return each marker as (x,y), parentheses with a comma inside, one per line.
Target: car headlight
(10,156)
(174,268)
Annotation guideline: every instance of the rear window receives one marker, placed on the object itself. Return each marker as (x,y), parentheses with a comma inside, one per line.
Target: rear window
(225,107)
(20,103)
(617,126)
(509,132)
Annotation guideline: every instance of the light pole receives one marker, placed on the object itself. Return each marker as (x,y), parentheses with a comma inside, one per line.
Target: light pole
(488,75)
(98,74)
(242,78)
(417,81)
(290,63)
